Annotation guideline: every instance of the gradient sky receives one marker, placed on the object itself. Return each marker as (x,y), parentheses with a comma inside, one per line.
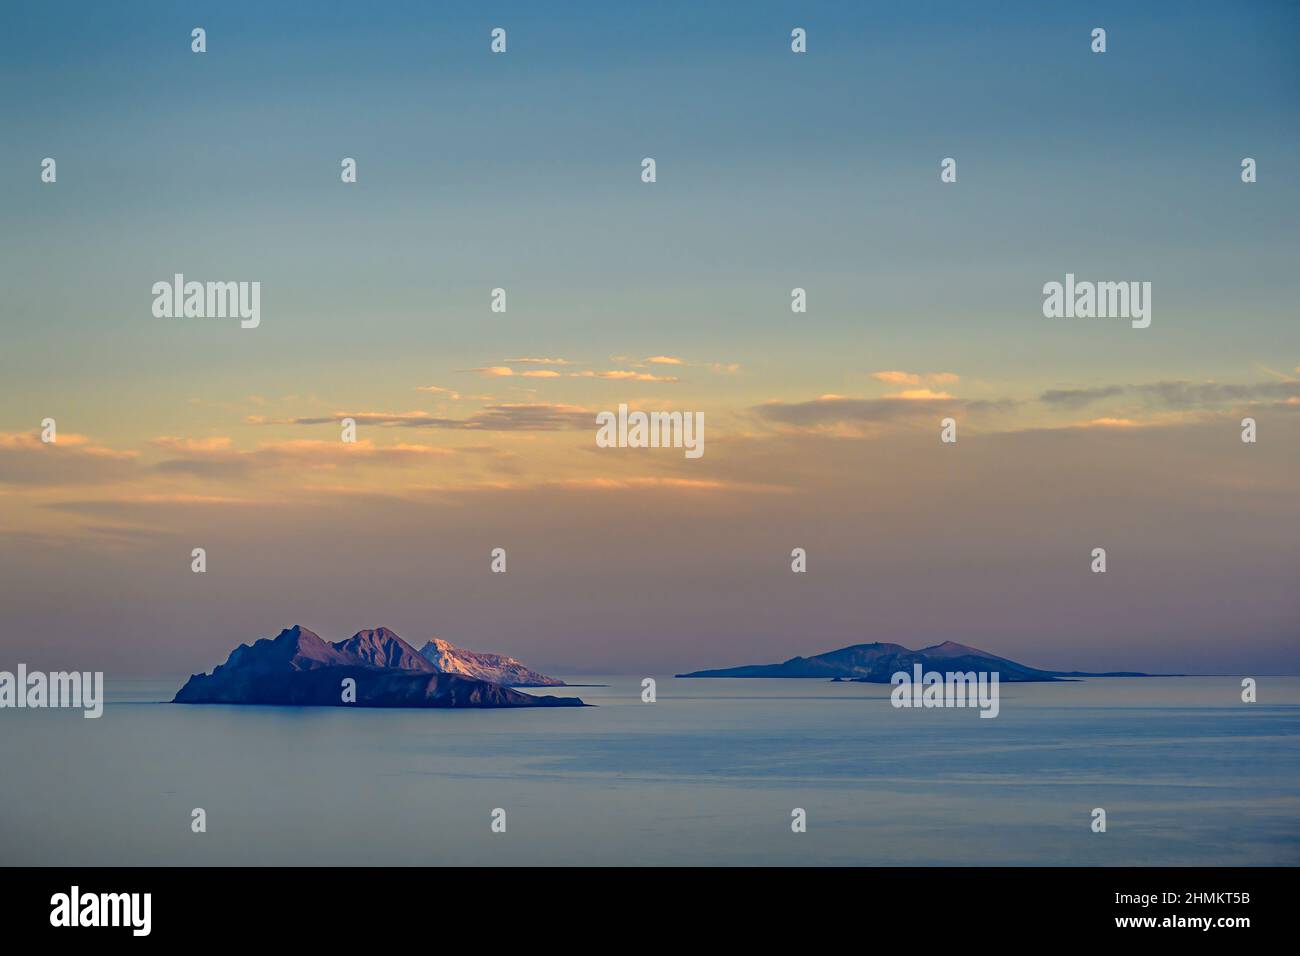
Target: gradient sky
(774,171)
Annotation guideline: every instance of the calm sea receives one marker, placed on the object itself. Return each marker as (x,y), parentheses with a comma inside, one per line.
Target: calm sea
(709,774)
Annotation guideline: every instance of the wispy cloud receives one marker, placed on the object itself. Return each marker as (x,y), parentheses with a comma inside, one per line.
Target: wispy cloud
(720,367)
(1110,423)
(1074,398)
(918,394)
(71,460)
(532,417)
(417,419)
(521,416)
(838,410)
(1183,394)
(439,390)
(916,378)
(217,443)
(624,375)
(1179,394)
(216,459)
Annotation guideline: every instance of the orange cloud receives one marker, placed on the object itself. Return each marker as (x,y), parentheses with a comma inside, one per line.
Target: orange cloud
(918,394)
(439,390)
(624,375)
(198,445)
(680,484)
(64,440)
(1110,423)
(915,378)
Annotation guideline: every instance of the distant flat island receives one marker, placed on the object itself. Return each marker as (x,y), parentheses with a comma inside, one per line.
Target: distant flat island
(372,668)
(876,663)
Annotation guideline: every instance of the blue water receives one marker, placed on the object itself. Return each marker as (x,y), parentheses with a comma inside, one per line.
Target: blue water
(709,774)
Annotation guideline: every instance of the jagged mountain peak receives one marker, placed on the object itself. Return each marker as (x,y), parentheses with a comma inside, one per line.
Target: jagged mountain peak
(380,647)
(447,658)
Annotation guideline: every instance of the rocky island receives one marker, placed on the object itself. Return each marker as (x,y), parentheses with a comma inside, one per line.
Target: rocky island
(299,668)
(876,663)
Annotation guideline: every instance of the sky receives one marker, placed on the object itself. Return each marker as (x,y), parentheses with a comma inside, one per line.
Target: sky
(476,429)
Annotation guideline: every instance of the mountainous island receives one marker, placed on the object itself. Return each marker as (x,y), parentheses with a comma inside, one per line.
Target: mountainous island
(876,663)
(299,668)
